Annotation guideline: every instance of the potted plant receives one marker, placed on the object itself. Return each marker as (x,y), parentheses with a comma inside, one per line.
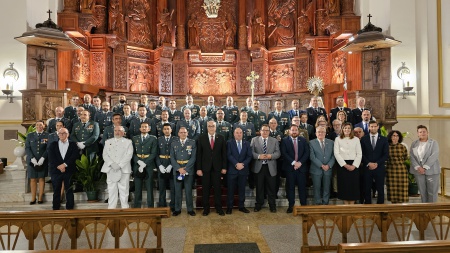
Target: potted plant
(89,175)
(19,150)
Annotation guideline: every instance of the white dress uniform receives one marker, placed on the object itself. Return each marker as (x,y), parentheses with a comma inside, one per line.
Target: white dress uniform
(120,152)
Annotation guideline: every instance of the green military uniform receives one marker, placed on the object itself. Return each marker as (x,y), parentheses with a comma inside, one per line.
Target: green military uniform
(183,155)
(225,129)
(165,179)
(195,110)
(88,134)
(193,128)
(258,119)
(36,147)
(175,116)
(282,120)
(203,124)
(160,126)
(109,133)
(248,130)
(211,111)
(103,119)
(146,151)
(135,126)
(231,114)
(70,112)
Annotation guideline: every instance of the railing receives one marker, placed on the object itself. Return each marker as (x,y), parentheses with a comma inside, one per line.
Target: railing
(370,221)
(103,228)
(395,247)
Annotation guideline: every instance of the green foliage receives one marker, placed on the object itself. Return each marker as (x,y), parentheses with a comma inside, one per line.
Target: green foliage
(383,131)
(89,173)
(22,138)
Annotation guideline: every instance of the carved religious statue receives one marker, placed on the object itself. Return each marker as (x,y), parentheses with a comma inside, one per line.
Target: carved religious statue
(193,28)
(139,27)
(116,18)
(165,28)
(281,23)
(87,6)
(230,32)
(258,30)
(333,7)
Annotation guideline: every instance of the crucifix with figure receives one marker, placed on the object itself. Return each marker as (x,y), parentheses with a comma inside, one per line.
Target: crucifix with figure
(252,78)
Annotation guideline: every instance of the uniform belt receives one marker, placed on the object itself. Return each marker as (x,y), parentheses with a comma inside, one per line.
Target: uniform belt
(142,156)
(164,156)
(182,161)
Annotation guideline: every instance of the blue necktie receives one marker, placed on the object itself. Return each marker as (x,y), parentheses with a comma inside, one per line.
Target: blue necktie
(265,150)
(239,147)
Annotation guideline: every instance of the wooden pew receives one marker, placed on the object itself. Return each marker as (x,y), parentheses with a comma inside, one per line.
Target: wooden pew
(134,250)
(328,221)
(395,247)
(87,223)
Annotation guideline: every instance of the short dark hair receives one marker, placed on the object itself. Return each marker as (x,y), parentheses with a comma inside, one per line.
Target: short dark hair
(167,124)
(303,113)
(422,126)
(37,121)
(117,114)
(141,105)
(400,136)
(373,122)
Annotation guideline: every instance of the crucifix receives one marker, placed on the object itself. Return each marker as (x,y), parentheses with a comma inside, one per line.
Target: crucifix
(252,78)
(40,65)
(49,12)
(376,66)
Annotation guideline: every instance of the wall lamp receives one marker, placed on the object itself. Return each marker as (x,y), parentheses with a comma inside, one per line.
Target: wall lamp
(11,76)
(405,75)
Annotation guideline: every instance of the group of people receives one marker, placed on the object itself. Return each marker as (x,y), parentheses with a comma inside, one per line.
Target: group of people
(152,142)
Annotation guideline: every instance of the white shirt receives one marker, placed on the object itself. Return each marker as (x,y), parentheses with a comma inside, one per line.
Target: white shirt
(347,149)
(63,147)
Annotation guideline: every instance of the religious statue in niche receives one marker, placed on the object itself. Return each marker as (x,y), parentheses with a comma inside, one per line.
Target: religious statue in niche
(281,22)
(230,32)
(258,30)
(139,27)
(48,111)
(80,66)
(101,16)
(281,78)
(116,18)
(165,27)
(139,77)
(193,27)
(212,81)
(28,110)
(87,6)
(339,69)
(333,7)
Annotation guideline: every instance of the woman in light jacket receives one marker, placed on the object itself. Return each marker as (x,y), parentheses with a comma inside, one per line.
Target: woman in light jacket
(425,165)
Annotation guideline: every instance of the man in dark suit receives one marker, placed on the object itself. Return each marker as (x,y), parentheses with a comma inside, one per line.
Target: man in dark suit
(239,156)
(375,150)
(295,152)
(61,157)
(266,151)
(340,107)
(364,124)
(315,111)
(70,112)
(295,111)
(211,164)
(357,112)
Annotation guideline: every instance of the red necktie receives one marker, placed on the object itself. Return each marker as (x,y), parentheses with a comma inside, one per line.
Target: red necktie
(212,142)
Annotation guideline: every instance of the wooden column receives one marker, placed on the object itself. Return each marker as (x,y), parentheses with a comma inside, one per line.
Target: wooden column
(181,21)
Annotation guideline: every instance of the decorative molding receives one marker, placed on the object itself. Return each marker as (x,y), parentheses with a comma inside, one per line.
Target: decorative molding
(165,75)
(281,77)
(282,55)
(212,81)
(440,56)
(139,54)
(120,73)
(98,68)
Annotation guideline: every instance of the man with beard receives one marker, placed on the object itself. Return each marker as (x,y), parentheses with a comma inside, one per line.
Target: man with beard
(135,125)
(104,117)
(118,108)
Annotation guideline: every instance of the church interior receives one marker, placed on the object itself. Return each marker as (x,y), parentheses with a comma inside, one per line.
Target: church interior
(394,53)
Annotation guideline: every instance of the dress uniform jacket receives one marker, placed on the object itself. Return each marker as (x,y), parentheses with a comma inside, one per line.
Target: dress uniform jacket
(225,129)
(246,109)
(258,119)
(155,115)
(109,133)
(309,128)
(231,114)
(91,109)
(248,129)
(160,126)
(118,108)
(70,112)
(282,120)
(175,116)
(313,114)
(203,124)
(52,124)
(163,157)
(195,110)
(135,126)
(276,134)
(36,147)
(53,137)
(211,111)
(183,155)
(126,120)
(103,119)
(88,134)
(193,128)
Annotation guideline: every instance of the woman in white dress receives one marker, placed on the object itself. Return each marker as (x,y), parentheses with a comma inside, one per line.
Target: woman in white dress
(347,150)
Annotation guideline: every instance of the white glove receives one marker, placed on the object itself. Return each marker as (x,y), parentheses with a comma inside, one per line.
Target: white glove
(80,145)
(162,169)
(141,168)
(169,168)
(141,163)
(115,166)
(186,173)
(41,161)
(34,161)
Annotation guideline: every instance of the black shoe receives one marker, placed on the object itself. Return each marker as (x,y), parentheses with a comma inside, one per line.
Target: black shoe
(273,209)
(257,209)
(229,210)
(106,200)
(40,202)
(290,209)
(172,209)
(176,213)
(49,181)
(244,210)
(33,202)
(220,212)
(205,212)
(191,213)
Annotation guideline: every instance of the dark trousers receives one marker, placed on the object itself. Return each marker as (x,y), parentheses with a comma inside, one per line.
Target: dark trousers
(232,180)
(296,177)
(264,181)
(378,176)
(138,183)
(211,178)
(57,180)
(165,183)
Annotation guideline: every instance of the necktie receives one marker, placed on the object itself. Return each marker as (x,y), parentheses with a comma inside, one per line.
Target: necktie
(212,142)
(322,145)
(182,143)
(295,149)
(142,120)
(265,149)
(373,141)
(239,147)
(39,135)
(143,138)
(365,127)
(84,125)
(167,139)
